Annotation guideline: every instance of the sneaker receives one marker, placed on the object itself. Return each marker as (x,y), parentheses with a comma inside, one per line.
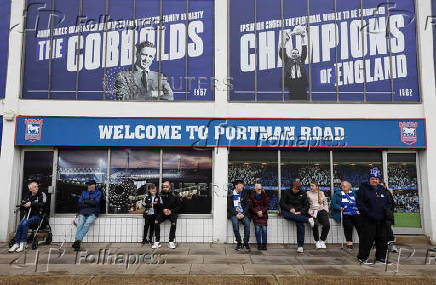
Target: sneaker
(171,245)
(318,245)
(76,244)
(383,261)
(144,241)
(350,246)
(21,248)
(264,246)
(394,249)
(246,246)
(259,247)
(322,244)
(156,245)
(300,249)
(365,261)
(238,246)
(14,248)
(311,222)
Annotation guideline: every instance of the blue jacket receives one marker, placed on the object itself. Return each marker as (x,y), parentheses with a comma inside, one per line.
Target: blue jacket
(336,205)
(89,202)
(372,201)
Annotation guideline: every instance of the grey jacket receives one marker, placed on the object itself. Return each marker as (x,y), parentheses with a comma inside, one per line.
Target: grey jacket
(129,86)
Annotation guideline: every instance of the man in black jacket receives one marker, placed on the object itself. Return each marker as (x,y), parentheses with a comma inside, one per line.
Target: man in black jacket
(294,206)
(33,207)
(171,206)
(372,201)
(238,210)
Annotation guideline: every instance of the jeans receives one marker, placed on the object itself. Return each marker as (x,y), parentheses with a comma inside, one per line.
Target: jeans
(300,220)
(246,222)
(261,234)
(85,222)
(160,218)
(149,224)
(323,219)
(23,228)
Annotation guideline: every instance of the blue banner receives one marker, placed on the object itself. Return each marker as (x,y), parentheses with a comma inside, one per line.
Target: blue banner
(127,50)
(211,132)
(1,130)
(5,8)
(323,50)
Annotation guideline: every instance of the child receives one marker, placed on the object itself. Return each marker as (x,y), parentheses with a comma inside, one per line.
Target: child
(259,208)
(152,203)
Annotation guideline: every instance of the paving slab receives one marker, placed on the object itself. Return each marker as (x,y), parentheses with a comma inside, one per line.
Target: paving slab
(216,269)
(189,259)
(271,260)
(207,251)
(272,269)
(163,269)
(243,259)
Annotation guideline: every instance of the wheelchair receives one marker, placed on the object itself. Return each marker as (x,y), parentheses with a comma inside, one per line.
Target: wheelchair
(42,230)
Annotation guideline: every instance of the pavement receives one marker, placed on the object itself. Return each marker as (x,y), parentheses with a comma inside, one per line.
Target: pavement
(208,263)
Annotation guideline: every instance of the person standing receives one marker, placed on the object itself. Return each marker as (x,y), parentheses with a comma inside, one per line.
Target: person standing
(34,206)
(345,201)
(319,211)
(259,205)
(89,208)
(152,203)
(238,211)
(171,206)
(294,206)
(372,200)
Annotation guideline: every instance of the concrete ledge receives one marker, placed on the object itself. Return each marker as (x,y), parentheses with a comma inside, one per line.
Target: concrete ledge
(212,279)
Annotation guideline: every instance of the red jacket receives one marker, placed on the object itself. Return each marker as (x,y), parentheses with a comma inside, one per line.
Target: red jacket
(259,205)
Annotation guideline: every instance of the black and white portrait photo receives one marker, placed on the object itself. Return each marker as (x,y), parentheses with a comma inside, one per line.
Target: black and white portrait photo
(139,83)
(295,74)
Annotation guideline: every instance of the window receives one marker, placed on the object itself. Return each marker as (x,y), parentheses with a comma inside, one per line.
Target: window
(329,53)
(403,182)
(307,166)
(190,175)
(139,51)
(354,166)
(75,168)
(256,166)
(131,171)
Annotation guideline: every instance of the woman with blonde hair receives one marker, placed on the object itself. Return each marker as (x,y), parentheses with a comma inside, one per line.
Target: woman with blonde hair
(259,205)
(319,211)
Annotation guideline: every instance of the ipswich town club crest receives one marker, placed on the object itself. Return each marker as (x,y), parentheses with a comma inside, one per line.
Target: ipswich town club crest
(33,129)
(408,132)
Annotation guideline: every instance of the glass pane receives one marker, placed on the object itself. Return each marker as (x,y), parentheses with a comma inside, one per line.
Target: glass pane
(190,173)
(131,171)
(403,182)
(256,167)
(354,166)
(307,166)
(38,166)
(75,168)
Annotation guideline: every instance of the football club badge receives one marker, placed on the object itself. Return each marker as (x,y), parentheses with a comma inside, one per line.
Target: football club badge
(408,132)
(33,129)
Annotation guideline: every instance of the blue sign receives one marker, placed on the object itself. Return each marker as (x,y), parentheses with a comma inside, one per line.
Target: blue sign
(5,8)
(126,50)
(211,132)
(324,50)
(1,130)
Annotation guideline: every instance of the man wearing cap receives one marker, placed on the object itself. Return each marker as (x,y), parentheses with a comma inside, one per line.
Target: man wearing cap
(294,206)
(238,210)
(372,202)
(89,208)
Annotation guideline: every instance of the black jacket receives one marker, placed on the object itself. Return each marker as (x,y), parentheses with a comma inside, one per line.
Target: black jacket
(245,204)
(38,204)
(372,201)
(289,62)
(298,201)
(170,200)
(147,203)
